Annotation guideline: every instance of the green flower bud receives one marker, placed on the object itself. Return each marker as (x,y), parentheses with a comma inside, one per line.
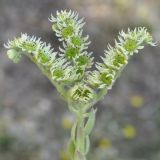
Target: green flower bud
(67,32)
(14,55)
(130,45)
(82,93)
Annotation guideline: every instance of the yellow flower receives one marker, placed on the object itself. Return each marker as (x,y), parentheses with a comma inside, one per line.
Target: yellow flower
(67,122)
(104,143)
(129,131)
(137,101)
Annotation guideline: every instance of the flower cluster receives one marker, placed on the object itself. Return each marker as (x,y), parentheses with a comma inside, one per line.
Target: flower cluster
(69,30)
(32,47)
(117,57)
(70,67)
(43,55)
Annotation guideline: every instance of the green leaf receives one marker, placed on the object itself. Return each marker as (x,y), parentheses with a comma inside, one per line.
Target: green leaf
(90,123)
(73,131)
(87,145)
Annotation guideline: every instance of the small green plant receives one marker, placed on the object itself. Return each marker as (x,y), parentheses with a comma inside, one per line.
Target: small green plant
(70,69)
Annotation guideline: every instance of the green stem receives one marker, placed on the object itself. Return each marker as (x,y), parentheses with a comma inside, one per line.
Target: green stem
(79,143)
(78,138)
(58,86)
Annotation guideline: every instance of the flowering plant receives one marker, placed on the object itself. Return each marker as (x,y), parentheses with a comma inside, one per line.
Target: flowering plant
(70,69)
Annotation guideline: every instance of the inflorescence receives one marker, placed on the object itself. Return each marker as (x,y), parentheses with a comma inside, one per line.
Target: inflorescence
(71,66)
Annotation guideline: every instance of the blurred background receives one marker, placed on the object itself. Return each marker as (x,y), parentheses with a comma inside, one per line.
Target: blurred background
(35,123)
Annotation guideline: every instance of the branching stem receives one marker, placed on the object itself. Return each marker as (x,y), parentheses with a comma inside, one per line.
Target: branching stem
(70,70)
